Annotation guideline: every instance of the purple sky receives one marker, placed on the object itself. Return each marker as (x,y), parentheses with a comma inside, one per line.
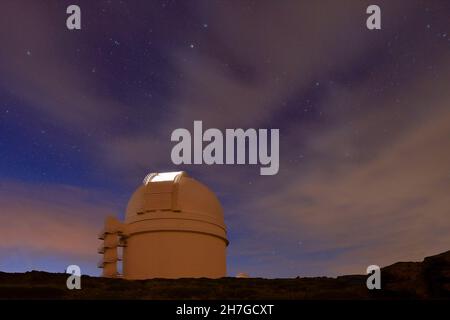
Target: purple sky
(364,123)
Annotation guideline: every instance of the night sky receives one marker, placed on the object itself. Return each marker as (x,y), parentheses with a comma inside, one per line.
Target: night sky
(364,119)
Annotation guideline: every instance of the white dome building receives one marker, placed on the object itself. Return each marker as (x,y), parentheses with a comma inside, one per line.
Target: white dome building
(174,228)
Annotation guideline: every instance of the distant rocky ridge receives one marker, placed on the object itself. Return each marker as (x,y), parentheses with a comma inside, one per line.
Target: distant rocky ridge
(429,279)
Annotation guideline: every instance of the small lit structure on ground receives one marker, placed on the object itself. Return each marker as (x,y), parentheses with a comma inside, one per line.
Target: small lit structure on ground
(174,228)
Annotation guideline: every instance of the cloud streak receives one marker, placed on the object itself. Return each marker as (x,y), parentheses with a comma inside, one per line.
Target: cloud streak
(57,221)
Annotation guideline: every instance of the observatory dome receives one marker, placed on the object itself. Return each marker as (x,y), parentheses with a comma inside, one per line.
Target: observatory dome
(173,228)
(176,192)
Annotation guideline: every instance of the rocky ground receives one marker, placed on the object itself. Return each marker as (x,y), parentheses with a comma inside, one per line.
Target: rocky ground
(429,279)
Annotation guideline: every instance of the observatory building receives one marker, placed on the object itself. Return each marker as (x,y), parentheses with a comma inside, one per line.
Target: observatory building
(173,228)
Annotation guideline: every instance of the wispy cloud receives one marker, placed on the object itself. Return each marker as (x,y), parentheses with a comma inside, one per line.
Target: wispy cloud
(57,221)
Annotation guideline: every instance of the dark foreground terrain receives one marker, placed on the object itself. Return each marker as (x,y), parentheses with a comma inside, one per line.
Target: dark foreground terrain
(429,279)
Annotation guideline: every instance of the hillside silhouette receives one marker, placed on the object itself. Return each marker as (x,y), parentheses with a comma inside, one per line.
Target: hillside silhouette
(429,279)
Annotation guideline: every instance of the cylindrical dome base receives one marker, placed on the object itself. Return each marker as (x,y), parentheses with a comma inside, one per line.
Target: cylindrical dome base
(174,254)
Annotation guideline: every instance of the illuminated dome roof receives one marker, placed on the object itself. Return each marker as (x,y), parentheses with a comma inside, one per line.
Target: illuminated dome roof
(177,194)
